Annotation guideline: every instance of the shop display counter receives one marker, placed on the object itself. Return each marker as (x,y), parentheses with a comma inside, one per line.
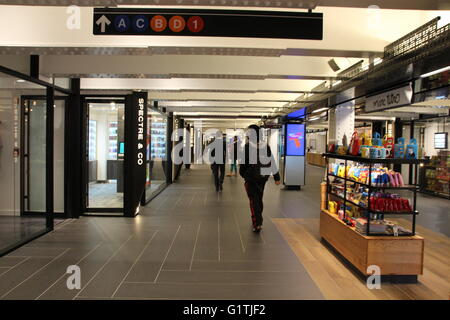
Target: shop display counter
(315,159)
(359,194)
(394,255)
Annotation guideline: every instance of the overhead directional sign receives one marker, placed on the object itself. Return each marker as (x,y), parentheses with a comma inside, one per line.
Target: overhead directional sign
(208,23)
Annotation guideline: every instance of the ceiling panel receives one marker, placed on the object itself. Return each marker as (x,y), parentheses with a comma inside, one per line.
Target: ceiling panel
(306,4)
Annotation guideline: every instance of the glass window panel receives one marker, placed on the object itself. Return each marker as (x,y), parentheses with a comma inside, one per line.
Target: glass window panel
(156,153)
(105,164)
(15,225)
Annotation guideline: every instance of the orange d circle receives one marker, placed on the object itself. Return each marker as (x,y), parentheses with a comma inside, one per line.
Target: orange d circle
(158,23)
(177,23)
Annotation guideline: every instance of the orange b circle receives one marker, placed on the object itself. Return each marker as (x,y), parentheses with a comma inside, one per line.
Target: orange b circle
(177,23)
(158,23)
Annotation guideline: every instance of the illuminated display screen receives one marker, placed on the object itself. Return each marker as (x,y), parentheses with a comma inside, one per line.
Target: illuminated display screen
(299,114)
(295,139)
(440,140)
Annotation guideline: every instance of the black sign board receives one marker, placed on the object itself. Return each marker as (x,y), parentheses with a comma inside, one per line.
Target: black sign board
(208,23)
(135,151)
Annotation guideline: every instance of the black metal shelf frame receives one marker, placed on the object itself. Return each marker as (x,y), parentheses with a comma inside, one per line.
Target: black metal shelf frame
(414,188)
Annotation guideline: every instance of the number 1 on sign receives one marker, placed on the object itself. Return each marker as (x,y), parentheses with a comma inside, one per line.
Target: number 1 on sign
(195,24)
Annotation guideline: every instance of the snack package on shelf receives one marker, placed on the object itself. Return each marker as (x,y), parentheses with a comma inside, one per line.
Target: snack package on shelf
(380,226)
(412,151)
(380,176)
(386,202)
(399,148)
(389,144)
(376,140)
(355,144)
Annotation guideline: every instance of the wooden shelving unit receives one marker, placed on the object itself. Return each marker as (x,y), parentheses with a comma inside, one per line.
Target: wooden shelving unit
(394,255)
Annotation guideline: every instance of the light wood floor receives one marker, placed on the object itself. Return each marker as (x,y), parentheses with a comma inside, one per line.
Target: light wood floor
(337,281)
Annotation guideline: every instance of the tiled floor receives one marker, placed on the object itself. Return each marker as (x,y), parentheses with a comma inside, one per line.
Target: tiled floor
(188,243)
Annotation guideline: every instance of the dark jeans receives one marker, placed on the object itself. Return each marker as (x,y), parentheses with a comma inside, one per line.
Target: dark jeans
(218,168)
(255,193)
(178,171)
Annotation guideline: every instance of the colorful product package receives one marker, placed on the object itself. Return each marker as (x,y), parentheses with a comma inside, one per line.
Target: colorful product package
(355,144)
(376,140)
(399,149)
(389,143)
(412,151)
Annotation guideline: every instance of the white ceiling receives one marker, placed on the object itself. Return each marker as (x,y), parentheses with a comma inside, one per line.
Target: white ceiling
(201,76)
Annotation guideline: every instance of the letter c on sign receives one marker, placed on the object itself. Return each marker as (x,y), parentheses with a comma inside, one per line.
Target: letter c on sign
(177,23)
(158,23)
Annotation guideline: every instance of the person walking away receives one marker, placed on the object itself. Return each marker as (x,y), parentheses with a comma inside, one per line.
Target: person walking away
(256,176)
(233,165)
(218,163)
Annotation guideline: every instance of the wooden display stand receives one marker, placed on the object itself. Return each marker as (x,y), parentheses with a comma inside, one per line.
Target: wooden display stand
(400,256)
(315,159)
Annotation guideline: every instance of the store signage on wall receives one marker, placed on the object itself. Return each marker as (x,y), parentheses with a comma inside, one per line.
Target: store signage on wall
(208,23)
(140,133)
(391,99)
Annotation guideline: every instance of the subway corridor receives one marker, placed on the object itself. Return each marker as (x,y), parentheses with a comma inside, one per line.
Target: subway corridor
(192,243)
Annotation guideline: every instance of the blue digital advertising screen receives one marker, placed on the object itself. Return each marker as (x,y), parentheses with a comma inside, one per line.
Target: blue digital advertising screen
(298,114)
(295,139)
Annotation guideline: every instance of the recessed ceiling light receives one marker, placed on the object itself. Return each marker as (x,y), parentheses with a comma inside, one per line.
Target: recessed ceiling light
(20,80)
(318,110)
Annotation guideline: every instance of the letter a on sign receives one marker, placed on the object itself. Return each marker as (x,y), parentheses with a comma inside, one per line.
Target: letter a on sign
(374,281)
(73,281)
(74,20)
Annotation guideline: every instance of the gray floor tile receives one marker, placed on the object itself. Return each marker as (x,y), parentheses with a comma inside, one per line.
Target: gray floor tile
(46,277)
(10,261)
(89,266)
(37,251)
(214,291)
(17,275)
(181,253)
(234,277)
(112,274)
(150,263)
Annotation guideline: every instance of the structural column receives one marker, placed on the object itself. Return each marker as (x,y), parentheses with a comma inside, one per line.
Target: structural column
(74,159)
(341,120)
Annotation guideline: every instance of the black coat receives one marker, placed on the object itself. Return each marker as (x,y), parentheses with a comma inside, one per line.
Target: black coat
(253,171)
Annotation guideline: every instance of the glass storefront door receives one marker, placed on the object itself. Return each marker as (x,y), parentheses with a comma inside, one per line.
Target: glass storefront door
(105,155)
(156,154)
(35,160)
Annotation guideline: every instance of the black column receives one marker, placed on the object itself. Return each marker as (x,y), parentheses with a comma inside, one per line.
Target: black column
(49,169)
(135,151)
(74,126)
(411,135)
(34,66)
(398,132)
(169,145)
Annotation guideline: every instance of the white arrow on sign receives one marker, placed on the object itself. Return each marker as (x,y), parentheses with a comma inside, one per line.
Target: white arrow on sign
(103,20)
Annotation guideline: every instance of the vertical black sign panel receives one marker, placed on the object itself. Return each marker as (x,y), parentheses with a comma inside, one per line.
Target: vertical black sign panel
(208,23)
(135,151)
